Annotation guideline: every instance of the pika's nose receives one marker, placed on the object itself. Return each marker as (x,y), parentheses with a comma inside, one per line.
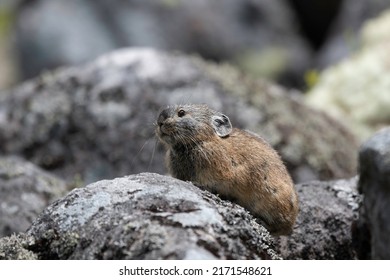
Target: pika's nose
(162,117)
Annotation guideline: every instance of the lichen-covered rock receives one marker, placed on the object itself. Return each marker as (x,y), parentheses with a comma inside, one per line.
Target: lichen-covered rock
(356,90)
(328,211)
(374,183)
(16,247)
(96,121)
(25,190)
(375,31)
(147,216)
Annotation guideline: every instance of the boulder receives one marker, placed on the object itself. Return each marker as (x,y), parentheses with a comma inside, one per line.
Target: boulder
(356,90)
(258,35)
(95,121)
(343,36)
(150,216)
(328,213)
(374,183)
(25,190)
(147,216)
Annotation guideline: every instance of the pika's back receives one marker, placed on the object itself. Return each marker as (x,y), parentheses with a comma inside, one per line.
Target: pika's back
(202,147)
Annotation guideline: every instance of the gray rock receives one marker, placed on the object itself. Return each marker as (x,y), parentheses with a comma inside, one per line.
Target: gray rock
(147,216)
(25,191)
(96,121)
(356,90)
(374,183)
(328,211)
(58,41)
(242,32)
(343,37)
(16,247)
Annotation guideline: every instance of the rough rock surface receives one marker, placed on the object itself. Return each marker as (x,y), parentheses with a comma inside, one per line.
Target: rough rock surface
(328,211)
(25,190)
(96,121)
(356,90)
(16,247)
(242,32)
(374,183)
(147,216)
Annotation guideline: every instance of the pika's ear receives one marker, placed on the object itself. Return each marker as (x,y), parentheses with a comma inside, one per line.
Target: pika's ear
(221,125)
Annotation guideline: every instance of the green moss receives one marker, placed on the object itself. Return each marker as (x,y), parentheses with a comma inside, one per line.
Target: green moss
(6,20)
(268,63)
(311,78)
(171,4)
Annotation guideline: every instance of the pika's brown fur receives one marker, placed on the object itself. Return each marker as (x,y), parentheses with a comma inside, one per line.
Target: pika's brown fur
(202,147)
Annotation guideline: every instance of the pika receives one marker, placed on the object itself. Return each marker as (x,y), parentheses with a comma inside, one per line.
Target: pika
(204,148)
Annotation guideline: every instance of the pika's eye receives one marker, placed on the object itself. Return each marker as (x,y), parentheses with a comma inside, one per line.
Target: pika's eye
(181,113)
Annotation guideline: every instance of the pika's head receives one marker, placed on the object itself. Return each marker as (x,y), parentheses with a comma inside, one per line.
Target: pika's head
(191,124)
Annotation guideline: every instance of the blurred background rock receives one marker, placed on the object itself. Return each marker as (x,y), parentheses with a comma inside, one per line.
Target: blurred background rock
(357,90)
(280,40)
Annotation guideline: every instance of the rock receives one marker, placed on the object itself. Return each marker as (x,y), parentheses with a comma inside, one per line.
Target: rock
(150,216)
(328,211)
(16,247)
(258,35)
(374,183)
(343,40)
(147,216)
(356,90)
(58,41)
(25,191)
(95,121)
